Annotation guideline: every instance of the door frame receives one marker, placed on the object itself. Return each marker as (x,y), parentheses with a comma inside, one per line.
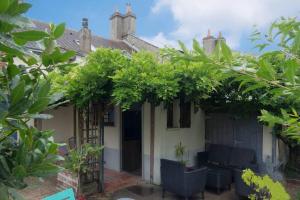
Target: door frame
(142,139)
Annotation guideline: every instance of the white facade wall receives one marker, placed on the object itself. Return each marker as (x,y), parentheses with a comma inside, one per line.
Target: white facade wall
(62,123)
(267,143)
(268,147)
(112,143)
(192,138)
(165,138)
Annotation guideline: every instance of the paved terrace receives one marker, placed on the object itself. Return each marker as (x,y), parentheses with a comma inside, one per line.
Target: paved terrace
(124,185)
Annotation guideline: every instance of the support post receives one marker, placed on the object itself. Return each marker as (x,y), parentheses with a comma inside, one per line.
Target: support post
(101,142)
(152,137)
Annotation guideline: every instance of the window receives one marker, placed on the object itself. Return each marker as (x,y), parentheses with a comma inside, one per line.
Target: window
(109,117)
(170,116)
(185,114)
(179,114)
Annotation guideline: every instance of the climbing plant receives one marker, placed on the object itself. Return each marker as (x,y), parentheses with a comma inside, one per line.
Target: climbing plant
(92,82)
(112,77)
(270,80)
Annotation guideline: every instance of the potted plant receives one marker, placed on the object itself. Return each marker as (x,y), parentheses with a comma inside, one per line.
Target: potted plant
(76,165)
(180,152)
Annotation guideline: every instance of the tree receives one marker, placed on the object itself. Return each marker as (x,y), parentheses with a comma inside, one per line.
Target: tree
(24,94)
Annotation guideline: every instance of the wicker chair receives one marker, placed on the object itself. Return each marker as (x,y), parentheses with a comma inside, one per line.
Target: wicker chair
(176,179)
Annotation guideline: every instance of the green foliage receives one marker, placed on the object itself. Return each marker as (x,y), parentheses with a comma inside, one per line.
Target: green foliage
(145,79)
(92,82)
(34,154)
(24,94)
(264,187)
(111,77)
(180,152)
(277,72)
(269,81)
(76,160)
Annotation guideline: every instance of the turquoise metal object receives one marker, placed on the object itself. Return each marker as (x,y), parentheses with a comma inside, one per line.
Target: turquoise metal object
(67,194)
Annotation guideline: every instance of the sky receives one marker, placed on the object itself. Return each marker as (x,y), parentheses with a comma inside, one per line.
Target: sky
(164,22)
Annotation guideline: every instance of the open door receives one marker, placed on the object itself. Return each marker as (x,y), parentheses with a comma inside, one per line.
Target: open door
(132,140)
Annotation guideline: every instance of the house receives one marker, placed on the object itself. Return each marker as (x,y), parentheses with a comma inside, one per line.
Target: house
(132,142)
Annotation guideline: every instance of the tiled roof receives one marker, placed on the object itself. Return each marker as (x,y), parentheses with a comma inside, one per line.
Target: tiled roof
(70,40)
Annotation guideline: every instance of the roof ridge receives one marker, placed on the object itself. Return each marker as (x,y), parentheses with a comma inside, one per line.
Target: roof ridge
(70,29)
(141,40)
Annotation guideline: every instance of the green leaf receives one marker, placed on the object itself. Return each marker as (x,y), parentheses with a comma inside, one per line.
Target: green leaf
(4,4)
(59,30)
(12,71)
(10,51)
(57,57)
(43,90)
(39,106)
(23,7)
(265,70)
(183,47)
(296,43)
(253,87)
(18,92)
(226,51)
(31,61)
(53,148)
(45,169)
(19,172)
(290,68)
(31,35)
(4,165)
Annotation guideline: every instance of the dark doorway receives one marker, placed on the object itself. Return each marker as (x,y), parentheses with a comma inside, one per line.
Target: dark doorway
(132,140)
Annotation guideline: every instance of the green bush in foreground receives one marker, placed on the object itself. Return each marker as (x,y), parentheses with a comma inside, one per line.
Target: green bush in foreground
(264,187)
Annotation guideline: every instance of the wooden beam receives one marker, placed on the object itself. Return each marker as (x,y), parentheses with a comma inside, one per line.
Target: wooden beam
(101,109)
(152,137)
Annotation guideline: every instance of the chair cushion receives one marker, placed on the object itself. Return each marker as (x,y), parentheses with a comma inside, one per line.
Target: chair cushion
(242,158)
(219,154)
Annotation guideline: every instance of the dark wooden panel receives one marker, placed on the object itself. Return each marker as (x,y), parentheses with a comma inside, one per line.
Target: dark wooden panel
(225,129)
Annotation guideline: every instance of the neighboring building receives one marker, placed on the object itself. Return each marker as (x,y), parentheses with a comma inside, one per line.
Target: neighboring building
(127,134)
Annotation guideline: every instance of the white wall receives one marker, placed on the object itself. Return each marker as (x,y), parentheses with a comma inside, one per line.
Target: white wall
(268,143)
(112,135)
(62,123)
(166,139)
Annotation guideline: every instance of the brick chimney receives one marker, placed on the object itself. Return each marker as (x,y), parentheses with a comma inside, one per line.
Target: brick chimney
(122,25)
(209,43)
(85,37)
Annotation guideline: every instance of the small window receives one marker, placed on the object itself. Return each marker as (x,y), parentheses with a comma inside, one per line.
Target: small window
(179,114)
(185,114)
(109,117)
(173,115)
(170,116)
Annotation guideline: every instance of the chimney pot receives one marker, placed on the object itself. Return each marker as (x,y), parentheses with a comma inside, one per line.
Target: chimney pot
(209,43)
(128,8)
(123,25)
(85,22)
(85,37)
